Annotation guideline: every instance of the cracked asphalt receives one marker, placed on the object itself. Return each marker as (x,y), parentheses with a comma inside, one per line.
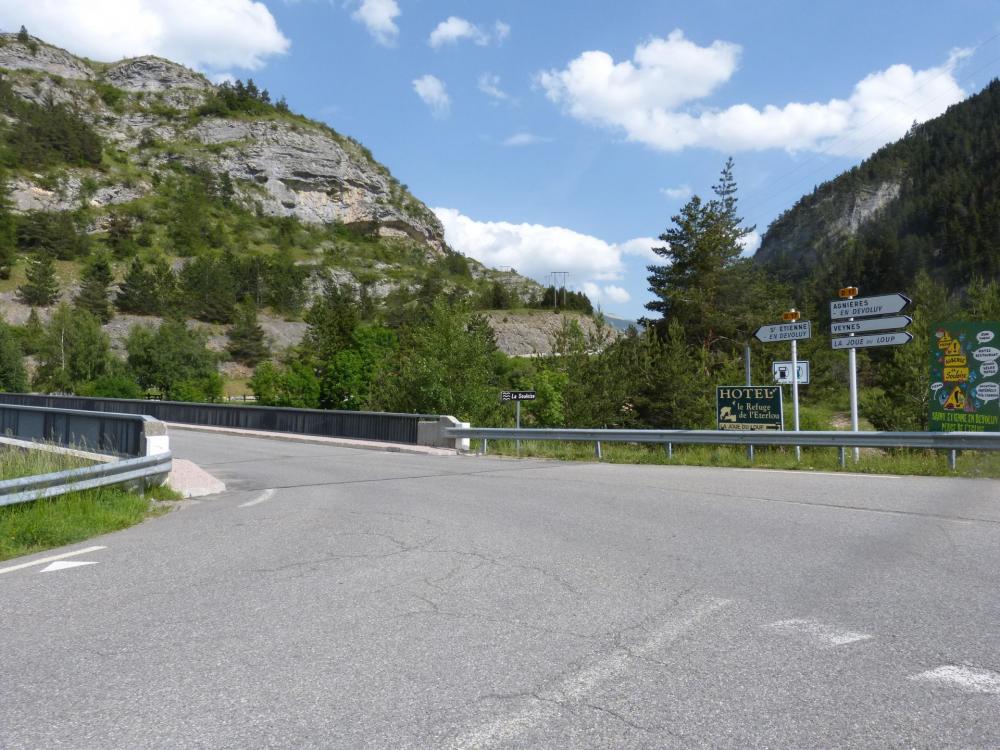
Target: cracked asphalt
(380,600)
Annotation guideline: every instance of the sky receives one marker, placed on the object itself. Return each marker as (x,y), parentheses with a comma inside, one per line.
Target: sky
(563,135)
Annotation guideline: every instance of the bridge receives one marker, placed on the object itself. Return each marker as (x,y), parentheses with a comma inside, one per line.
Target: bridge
(342,598)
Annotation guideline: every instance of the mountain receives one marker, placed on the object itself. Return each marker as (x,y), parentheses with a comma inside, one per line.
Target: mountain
(929,202)
(223,185)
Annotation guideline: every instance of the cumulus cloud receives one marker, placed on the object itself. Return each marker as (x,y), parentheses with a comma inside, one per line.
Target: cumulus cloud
(535,250)
(489,84)
(679,193)
(454,29)
(216,35)
(750,243)
(525,139)
(655,99)
(642,247)
(434,94)
(379,17)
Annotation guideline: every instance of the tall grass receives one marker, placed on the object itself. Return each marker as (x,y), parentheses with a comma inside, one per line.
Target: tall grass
(898,461)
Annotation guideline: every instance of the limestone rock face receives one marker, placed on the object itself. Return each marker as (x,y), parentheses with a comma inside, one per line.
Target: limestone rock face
(154,74)
(16,55)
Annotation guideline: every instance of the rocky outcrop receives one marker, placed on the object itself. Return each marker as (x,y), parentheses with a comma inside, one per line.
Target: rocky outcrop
(532,334)
(36,55)
(154,74)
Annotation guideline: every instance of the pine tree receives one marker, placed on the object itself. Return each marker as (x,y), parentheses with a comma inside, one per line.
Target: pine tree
(32,334)
(12,375)
(8,231)
(41,287)
(93,294)
(136,294)
(23,36)
(246,338)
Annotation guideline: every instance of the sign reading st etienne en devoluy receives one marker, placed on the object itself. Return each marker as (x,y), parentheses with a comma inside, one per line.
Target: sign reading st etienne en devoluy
(965,382)
(506,396)
(749,407)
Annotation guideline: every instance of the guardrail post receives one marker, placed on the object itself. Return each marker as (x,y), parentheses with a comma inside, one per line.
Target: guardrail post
(670,451)
(597,450)
(484,446)
(843,458)
(952,460)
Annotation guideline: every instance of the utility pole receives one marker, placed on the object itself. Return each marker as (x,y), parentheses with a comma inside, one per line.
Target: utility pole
(555,289)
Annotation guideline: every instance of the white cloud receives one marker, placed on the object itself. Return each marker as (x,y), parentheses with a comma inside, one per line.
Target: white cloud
(654,99)
(642,247)
(379,17)
(434,94)
(750,243)
(216,35)
(679,193)
(535,250)
(525,139)
(489,84)
(454,29)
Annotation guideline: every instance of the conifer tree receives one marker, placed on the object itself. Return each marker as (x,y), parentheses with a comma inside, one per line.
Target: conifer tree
(246,338)
(8,231)
(12,375)
(136,294)
(32,334)
(93,294)
(41,287)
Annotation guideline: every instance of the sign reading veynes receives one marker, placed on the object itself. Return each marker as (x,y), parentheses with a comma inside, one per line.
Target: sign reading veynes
(784,331)
(871,324)
(866,307)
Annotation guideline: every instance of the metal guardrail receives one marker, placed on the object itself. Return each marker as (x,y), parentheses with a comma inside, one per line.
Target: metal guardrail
(385,426)
(950,441)
(144,470)
(103,432)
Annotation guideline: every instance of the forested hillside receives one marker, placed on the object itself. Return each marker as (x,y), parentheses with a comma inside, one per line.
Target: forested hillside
(928,203)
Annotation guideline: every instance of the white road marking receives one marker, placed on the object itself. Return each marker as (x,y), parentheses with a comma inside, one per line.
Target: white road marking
(44,560)
(261,498)
(816,632)
(807,473)
(576,687)
(64,564)
(967,679)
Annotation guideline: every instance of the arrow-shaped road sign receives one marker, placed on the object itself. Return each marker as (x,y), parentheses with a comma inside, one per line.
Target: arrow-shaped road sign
(894,338)
(801,329)
(872,324)
(866,307)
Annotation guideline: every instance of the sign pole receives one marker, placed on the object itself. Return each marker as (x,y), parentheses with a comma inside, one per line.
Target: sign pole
(746,363)
(852,365)
(517,417)
(795,394)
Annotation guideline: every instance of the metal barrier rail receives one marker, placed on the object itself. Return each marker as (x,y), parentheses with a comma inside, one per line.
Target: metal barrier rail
(104,432)
(144,469)
(390,427)
(950,441)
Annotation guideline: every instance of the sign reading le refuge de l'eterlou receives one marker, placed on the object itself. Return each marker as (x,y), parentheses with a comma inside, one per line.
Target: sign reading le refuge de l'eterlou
(749,407)
(965,377)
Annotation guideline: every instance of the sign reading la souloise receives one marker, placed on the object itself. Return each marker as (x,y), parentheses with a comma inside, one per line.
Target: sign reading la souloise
(506,396)
(749,407)
(965,377)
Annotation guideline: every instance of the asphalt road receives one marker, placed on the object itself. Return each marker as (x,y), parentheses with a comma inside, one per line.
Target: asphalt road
(338,598)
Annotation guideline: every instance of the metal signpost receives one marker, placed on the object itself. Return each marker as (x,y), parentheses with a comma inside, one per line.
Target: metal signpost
(517,397)
(791,330)
(843,314)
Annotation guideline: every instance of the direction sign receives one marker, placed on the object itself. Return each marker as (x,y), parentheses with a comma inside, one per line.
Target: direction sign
(894,338)
(784,332)
(782,372)
(866,307)
(872,324)
(506,396)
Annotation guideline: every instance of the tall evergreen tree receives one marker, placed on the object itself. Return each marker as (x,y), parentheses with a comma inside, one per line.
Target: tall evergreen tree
(8,231)
(12,374)
(93,294)
(41,287)
(246,338)
(137,294)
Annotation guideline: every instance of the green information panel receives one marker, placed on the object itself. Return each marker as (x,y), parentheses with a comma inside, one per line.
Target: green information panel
(965,386)
(749,407)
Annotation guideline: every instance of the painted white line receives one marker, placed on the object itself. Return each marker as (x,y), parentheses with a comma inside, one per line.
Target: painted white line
(967,679)
(261,498)
(65,564)
(816,632)
(807,473)
(575,688)
(53,558)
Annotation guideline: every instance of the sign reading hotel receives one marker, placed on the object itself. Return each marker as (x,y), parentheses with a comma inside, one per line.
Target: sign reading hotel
(749,407)
(965,377)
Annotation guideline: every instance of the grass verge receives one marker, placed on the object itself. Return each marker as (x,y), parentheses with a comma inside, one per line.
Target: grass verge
(905,462)
(26,528)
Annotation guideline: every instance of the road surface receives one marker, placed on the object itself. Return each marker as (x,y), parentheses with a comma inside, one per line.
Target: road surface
(337,598)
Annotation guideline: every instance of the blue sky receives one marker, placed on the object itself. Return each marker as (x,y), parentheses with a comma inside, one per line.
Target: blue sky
(562,135)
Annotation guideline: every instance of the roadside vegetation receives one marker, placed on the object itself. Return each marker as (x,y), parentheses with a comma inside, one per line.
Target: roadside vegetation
(31,527)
